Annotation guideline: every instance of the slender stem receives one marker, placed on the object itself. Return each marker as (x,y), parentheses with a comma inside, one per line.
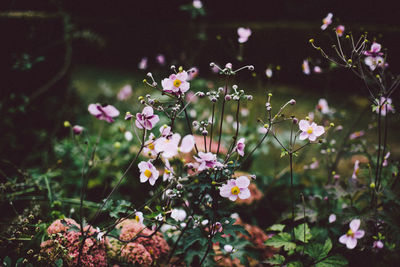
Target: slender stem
(222,117)
(205,143)
(189,125)
(384,148)
(291,190)
(212,126)
(177,241)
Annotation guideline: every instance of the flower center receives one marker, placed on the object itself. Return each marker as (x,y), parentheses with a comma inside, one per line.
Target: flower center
(177,83)
(310,130)
(147,173)
(151,146)
(137,218)
(350,233)
(167,171)
(235,190)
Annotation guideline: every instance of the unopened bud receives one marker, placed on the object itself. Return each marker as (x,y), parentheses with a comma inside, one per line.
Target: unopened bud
(372,185)
(228,97)
(292,102)
(67,124)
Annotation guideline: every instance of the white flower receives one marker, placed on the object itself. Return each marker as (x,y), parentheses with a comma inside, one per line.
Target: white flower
(178,215)
(228,248)
(148,172)
(128,136)
(236,188)
(310,130)
(139,217)
(332,218)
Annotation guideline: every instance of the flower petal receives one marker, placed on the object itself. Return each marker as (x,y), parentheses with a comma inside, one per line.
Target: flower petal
(303,125)
(343,239)
(111,111)
(319,130)
(242,182)
(187,144)
(303,136)
(359,234)
(94,110)
(351,242)
(244,193)
(354,225)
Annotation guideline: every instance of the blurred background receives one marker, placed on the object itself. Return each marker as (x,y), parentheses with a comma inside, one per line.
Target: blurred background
(59,56)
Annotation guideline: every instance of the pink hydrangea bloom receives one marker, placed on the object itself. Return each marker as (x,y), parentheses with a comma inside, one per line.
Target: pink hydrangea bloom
(176,83)
(305,67)
(148,172)
(240,147)
(125,92)
(244,34)
(310,131)
(356,169)
(207,161)
(135,253)
(350,238)
(146,119)
(236,188)
(386,106)
(326,21)
(169,145)
(323,106)
(340,30)
(106,113)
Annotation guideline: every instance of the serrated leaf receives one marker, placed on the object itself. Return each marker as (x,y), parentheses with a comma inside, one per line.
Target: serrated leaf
(333,261)
(277,227)
(281,240)
(317,251)
(302,232)
(276,260)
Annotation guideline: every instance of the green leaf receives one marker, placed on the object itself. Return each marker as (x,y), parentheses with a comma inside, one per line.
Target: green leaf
(317,251)
(7,261)
(276,260)
(281,240)
(294,264)
(302,232)
(333,261)
(276,227)
(59,262)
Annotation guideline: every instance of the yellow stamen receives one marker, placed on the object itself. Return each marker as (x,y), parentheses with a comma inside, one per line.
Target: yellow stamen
(177,83)
(310,130)
(167,171)
(151,146)
(147,173)
(350,233)
(235,190)
(137,218)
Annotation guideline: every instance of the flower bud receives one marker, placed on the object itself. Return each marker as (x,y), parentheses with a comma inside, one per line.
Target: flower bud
(228,97)
(250,97)
(77,129)
(372,185)
(67,124)
(201,94)
(295,121)
(204,132)
(292,102)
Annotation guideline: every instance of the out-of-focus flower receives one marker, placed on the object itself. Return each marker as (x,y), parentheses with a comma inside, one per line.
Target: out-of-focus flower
(176,83)
(228,248)
(143,63)
(310,131)
(236,188)
(169,145)
(178,215)
(356,169)
(192,73)
(125,92)
(148,172)
(244,34)
(356,135)
(305,67)
(339,30)
(240,147)
(385,159)
(168,171)
(326,21)
(377,244)
(385,105)
(269,72)
(374,51)
(323,106)
(197,4)
(332,218)
(317,69)
(216,228)
(207,161)
(128,136)
(350,238)
(160,58)
(106,113)
(77,129)
(146,119)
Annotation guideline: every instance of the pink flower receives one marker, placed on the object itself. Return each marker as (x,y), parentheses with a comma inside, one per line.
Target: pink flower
(160,59)
(77,129)
(125,92)
(377,244)
(305,67)
(340,30)
(317,69)
(143,63)
(385,105)
(310,130)
(148,172)
(356,169)
(356,135)
(373,62)
(149,146)
(176,83)
(146,119)
(244,34)
(236,188)
(374,51)
(197,4)
(332,218)
(350,238)
(105,113)
(169,145)
(207,161)
(326,21)
(192,73)
(385,159)
(240,147)
(168,171)
(323,106)
(139,217)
